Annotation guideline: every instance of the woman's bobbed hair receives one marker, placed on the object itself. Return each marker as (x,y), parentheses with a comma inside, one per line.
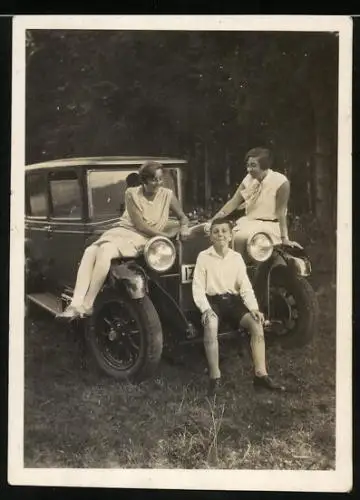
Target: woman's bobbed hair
(263,155)
(148,169)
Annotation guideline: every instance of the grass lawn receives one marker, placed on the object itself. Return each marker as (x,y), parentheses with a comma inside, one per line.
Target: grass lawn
(75,417)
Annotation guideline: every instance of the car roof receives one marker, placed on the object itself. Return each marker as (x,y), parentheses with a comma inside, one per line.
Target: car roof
(109,161)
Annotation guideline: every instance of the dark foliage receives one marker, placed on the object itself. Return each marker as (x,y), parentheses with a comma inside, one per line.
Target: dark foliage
(205,96)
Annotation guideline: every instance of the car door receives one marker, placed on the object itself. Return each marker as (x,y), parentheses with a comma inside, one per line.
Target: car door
(36,221)
(66,239)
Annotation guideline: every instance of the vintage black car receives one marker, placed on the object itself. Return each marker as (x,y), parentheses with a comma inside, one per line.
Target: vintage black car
(146,303)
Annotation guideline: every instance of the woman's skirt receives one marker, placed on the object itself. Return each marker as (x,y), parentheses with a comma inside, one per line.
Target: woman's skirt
(246,228)
(129,242)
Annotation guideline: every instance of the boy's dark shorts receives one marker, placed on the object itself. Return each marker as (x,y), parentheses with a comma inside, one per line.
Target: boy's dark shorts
(228,307)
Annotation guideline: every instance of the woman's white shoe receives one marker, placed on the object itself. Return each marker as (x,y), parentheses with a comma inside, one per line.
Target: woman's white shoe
(85,312)
(69,313)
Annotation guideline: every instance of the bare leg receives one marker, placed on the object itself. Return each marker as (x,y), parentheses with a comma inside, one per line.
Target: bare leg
(101,268)
(84,275)
(211,345)
(257,343)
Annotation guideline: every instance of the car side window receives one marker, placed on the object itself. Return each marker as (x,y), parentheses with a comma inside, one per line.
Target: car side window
(36,195)
(65,194)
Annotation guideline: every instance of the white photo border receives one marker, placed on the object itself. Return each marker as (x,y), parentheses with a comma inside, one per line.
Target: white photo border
(338,480)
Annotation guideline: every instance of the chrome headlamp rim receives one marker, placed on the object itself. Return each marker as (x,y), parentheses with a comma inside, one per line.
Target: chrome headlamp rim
(249,242)
(147,246)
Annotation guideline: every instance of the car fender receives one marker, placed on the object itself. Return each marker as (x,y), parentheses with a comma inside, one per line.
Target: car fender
(295,259)
(263,270)
(131,276)
(169,309)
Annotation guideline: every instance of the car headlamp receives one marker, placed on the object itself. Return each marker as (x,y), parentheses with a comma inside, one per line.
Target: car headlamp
(160,254)
(260,247)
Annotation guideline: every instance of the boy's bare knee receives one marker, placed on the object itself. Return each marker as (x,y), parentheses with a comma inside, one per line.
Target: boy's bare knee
(212,323)
(211,331)
(254,327)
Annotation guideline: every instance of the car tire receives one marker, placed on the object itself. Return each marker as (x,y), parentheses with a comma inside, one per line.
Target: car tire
(111,312)
(303,299)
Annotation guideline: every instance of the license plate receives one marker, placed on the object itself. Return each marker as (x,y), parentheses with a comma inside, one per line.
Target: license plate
(187,272)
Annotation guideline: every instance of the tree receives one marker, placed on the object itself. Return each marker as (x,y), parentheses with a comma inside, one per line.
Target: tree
(207,97)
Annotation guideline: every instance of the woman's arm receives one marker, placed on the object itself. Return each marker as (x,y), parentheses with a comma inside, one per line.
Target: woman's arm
(184,221)
(232,204)
(282,199)
(138,219)
(176,208)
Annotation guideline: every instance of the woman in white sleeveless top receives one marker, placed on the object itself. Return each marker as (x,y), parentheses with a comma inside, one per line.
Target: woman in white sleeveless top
(264,194)
(146,215)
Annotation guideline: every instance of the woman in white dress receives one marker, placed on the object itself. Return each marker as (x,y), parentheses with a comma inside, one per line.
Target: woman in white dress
(264,193)
(146,215)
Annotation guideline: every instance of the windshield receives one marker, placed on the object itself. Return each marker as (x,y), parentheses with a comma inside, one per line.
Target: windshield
(107,188)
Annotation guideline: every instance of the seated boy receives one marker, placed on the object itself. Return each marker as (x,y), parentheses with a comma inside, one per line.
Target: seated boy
(221,289)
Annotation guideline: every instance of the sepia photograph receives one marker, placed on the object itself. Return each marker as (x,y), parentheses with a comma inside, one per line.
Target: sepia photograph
(180,286)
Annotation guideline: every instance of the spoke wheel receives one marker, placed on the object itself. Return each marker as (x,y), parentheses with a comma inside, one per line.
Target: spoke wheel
(125,336)
(284,310)
(293,308)
(118,336)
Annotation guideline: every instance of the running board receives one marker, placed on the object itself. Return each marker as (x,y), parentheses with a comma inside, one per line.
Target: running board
(47,301)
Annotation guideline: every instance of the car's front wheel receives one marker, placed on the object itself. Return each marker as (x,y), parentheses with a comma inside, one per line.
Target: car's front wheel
(125,336)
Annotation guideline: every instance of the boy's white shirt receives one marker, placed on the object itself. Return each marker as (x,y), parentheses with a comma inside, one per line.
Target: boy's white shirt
(215,275)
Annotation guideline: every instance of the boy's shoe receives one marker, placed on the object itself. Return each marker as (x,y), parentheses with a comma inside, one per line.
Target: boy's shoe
(265,382)
(214,385)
